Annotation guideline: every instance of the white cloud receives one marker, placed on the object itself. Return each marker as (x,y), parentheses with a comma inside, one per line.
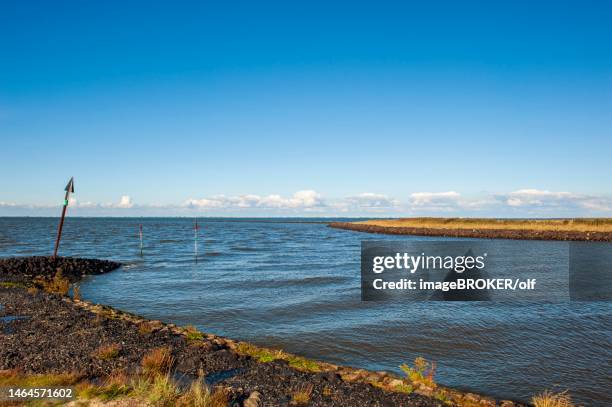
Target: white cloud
(525,197)
(371,200)
(597,204)
(75,203)
(436,201)
(434,198)
(307,199)
(125,202)
(539,200)
(301,199)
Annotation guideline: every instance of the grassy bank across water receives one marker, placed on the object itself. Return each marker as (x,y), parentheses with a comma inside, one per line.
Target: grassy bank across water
(580,229)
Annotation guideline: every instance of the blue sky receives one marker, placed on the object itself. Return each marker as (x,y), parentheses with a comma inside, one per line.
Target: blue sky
(319,108)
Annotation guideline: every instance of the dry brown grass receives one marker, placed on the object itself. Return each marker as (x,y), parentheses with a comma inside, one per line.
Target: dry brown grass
(107,352)
(302,396)
(145,328)
(76,293)
(158,361)
(57,285)
(113,386)
(199,395)
(561,225)
(549,399)
(155,390)
(98,320)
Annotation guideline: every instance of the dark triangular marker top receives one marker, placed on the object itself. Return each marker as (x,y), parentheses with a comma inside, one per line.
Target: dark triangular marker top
(70,186)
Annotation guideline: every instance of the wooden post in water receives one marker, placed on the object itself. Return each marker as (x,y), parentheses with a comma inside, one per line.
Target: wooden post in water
(140,234)
(69,189)
(195,239)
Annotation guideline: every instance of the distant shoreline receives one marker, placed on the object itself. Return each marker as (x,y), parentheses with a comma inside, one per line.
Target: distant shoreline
(593,230)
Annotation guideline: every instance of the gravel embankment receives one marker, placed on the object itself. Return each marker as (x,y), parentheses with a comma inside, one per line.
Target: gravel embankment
(477,233)
(42,332)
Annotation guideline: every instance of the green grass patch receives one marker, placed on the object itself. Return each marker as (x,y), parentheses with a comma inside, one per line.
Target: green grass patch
(404,388)
(12,284)
(192,333)
(422,373)
(105,392)
(301,363)
(261,354)
(268,355)
(12,378)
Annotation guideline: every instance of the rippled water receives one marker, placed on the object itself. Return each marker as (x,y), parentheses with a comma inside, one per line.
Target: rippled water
(296,286)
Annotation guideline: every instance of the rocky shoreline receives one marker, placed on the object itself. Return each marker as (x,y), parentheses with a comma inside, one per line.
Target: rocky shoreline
(28,269)
(51,333)
(477,233)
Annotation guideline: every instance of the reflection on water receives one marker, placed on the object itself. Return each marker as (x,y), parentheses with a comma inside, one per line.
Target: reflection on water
(296,286)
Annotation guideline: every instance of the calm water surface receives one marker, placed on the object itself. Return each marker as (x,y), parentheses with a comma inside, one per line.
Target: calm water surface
(296,286)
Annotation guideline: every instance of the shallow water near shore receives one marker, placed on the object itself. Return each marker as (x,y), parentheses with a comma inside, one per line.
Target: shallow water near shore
(297,286)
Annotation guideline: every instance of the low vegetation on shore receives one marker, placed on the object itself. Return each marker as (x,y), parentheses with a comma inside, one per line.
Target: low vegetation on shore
(550,399)
(595,230)
(562,225)
(152,385)
(146,388)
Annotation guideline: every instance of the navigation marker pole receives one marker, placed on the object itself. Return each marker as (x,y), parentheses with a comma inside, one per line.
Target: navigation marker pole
(69,188)
(195,239)
(140,234)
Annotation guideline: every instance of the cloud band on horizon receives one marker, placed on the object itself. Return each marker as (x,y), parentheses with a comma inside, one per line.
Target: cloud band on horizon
(519,203)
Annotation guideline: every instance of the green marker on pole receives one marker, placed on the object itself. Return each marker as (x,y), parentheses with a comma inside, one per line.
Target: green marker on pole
(69,189)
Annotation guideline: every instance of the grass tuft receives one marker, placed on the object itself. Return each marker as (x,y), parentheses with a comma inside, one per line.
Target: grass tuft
(12,284)
(199,395)
(14,379)
(108,352)
(145,328)
(57,285)
(422,373)
(304,364)
(76,293)
(404,388)
(302,395)
(158,361)
(261,354)
(163,391)
(114,386)
(268,355)
(192,333)
(549,399)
